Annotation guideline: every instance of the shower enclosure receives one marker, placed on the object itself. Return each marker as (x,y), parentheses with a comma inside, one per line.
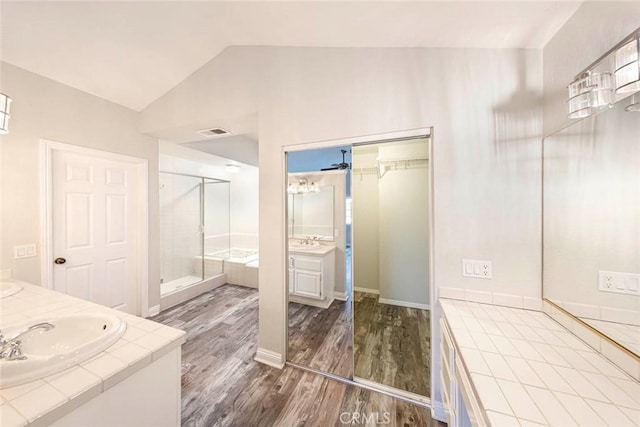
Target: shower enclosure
(194,221)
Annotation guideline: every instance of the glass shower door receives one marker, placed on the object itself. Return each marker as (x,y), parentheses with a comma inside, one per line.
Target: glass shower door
(181,241)
(217,236)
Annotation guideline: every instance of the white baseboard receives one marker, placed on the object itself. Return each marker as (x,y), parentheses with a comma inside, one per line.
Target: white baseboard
(270,358)
(438,411)
(320,303)
(404,304)
(154,310)
(367,290)
(341,296)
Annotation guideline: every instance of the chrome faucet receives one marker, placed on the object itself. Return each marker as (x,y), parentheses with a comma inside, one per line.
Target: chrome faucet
(11,349)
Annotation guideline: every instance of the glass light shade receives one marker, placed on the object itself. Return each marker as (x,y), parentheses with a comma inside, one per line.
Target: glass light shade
(589,94)
(634,106)
(5,113)
(628,67)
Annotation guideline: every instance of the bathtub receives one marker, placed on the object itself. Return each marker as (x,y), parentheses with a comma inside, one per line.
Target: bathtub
(238,264)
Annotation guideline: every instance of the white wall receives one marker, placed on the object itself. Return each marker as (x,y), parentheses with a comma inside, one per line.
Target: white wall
(487,175)
(46,109)
(403,206)
(364,199)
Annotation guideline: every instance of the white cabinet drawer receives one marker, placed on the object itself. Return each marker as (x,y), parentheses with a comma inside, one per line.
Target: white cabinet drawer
(306,263)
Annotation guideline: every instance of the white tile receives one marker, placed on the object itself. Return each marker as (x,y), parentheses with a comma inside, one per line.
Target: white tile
(464,339)
(104,365)
(453,293)
(131,353)
(579,410)
(532,303)
(551,378)
(498,366)
(612,392)
(490,394)
(477,296)
(38,402)
(612,415)
(510,331)
(575,359)
(550,355)
(524,372)
(580,384)
(74,381)
(148,325)
(474,361)
(483,342)
(508,300)
(620,358)
(520,402)
(553,411)
(632,414)
(504,346)
(527,351)
(153,341)
(632,388)
(9,417)
(501,420)
(17,391)
(603,365)
(132,333)
(171,333)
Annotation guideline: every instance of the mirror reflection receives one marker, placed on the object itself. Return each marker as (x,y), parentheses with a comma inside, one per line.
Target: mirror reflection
(320,319)
(390,190)
(310,214)
(592,223)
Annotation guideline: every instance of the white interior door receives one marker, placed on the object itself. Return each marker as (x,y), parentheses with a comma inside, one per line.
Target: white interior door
(94,229)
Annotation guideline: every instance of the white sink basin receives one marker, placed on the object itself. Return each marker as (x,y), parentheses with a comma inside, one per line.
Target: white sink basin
(9,288)
(302,246)
(74,339)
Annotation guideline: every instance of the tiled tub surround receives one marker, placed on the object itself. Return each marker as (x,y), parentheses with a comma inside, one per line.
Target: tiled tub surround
(519,367)
(144,345)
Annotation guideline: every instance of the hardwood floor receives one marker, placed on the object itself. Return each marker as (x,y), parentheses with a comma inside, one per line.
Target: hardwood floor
(392,344)
(322,338)
(223,386)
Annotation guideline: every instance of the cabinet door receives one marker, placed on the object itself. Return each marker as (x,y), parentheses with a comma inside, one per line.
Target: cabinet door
(308,284)
(292,280)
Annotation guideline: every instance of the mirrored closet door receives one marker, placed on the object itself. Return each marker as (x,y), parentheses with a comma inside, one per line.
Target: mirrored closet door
(358,224)
(390,190)
(319,309)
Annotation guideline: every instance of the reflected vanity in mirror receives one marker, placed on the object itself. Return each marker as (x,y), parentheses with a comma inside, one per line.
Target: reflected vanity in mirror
(319,311)
(591,215)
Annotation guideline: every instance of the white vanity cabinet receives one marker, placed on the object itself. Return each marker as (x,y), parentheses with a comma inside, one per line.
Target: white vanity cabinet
(461,403)
(312,276)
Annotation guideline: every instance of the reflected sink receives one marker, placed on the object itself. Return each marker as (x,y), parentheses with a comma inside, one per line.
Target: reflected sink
(9,288)
(74,339)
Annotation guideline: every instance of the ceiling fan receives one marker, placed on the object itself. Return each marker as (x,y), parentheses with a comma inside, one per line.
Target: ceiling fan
(339,166)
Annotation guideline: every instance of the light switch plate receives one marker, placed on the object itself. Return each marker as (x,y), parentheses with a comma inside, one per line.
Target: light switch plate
(24,251)
(477,268)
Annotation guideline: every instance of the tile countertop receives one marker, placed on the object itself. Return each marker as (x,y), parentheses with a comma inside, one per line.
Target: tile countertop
(42,401)
(529,370)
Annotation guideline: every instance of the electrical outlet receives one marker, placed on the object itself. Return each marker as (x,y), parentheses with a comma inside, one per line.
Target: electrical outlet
(477,268)
(620,283)
(24,251)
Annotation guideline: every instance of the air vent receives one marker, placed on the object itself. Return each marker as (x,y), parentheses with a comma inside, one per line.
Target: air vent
(213,132)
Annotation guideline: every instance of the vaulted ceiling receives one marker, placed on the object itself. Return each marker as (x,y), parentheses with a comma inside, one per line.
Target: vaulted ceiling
(131,53)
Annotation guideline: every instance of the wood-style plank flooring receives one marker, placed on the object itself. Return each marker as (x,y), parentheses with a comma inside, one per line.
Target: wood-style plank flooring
(223,386)
(392,344)
(322,338)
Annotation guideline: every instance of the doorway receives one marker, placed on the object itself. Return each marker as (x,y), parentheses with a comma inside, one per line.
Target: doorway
(96,226)
(388,256)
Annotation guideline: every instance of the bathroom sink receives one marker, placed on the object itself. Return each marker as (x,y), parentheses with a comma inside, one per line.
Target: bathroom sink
(303,246)
(73,339)
(9,288)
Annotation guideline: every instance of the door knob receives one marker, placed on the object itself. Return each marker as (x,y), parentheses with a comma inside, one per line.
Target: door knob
(60,260)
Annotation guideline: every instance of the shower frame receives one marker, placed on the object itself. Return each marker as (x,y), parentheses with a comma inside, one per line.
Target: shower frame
(201,228)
